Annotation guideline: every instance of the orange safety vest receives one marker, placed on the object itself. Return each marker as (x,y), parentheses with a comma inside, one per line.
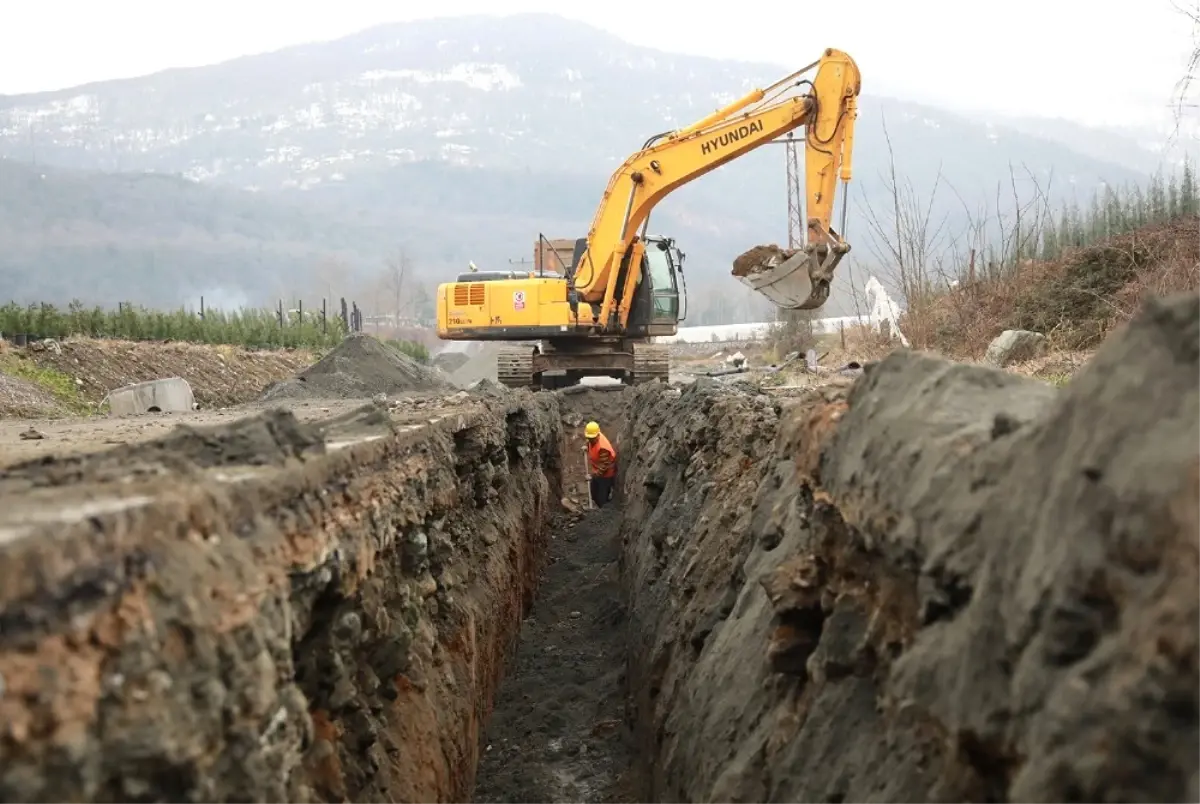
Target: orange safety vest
(602,458)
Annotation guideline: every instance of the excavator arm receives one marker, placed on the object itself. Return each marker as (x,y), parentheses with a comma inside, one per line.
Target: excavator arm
(826,106)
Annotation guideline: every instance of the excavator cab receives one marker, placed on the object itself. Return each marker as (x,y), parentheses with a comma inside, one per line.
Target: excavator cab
(659,295)
(664,269)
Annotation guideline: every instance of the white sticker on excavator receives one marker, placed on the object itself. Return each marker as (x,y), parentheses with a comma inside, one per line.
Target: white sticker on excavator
(518,300)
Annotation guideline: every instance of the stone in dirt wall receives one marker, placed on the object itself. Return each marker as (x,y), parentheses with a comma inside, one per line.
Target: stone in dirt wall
(269,611)
(946,583)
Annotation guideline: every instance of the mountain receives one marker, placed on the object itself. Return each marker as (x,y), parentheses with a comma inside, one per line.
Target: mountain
(452,139)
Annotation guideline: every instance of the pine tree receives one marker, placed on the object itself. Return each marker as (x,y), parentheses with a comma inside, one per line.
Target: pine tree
(1065,233)
(1050,246)
(1157,210)
(1172,199)
(1095,222)
(1138,203)
(1187,190)
(1078,232)
(1112,212)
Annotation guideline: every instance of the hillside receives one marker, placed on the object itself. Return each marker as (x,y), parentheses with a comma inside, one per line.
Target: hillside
(1076,299)
(453,139)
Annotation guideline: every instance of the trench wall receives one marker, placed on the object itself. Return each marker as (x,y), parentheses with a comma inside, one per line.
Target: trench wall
(942,583)
(271,611)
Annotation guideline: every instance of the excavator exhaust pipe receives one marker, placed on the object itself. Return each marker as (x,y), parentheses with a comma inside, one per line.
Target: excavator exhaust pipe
(794,279)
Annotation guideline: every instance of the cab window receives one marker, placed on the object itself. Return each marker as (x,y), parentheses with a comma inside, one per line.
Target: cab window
(659,265)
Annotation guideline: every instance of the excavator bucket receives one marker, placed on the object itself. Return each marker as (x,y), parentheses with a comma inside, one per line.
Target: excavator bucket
(794,279)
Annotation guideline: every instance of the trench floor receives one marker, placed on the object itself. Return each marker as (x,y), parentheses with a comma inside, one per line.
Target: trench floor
(557,732)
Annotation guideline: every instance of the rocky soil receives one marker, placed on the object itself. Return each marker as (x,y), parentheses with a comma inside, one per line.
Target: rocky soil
(271,610)
(20,398)
(946,583)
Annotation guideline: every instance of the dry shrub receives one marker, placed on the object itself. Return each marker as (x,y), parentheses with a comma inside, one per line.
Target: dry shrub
(960,322)
(1076,300)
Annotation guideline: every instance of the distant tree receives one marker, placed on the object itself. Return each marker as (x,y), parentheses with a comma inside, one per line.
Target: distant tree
(1187,190)
(1157,201)
(1137,206)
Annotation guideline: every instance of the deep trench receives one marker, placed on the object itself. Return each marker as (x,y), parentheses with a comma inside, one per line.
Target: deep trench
(558,730)
(769,611)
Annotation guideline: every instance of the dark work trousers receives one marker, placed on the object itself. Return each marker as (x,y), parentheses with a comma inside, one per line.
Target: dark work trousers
(602,489)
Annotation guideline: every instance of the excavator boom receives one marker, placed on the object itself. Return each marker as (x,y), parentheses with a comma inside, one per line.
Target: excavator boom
(826,108)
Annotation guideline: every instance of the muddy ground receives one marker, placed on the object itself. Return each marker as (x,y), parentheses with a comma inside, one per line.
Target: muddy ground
(557,733)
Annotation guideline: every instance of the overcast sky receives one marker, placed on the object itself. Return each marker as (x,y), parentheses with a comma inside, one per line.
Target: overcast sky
(1096,61)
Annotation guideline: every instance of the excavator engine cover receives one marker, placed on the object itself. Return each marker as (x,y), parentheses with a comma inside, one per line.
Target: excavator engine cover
(794,279)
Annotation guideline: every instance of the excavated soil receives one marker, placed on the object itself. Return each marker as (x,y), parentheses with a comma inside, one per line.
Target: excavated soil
(22,399)
(75,435)
(757,259)
(220,376)
(358,367)
(271,610)
(946,583)
(450,362)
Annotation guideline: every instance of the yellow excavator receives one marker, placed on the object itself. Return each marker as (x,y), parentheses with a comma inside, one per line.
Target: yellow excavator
(597,313)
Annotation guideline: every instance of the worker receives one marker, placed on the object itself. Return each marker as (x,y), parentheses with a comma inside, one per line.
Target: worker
(602,465)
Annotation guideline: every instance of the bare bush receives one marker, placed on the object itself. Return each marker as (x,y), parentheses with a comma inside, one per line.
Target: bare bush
(792,331)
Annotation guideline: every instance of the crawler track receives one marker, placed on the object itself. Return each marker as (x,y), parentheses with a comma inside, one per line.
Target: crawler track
(514,367)
(650,363)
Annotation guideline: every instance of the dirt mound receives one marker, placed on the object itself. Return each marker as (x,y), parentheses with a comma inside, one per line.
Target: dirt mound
(760,258)
(480,366)
(220,376)
(872,597)
(359,367)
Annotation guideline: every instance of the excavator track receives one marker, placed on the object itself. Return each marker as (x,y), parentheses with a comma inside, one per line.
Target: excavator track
(514,367)
(650,363)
